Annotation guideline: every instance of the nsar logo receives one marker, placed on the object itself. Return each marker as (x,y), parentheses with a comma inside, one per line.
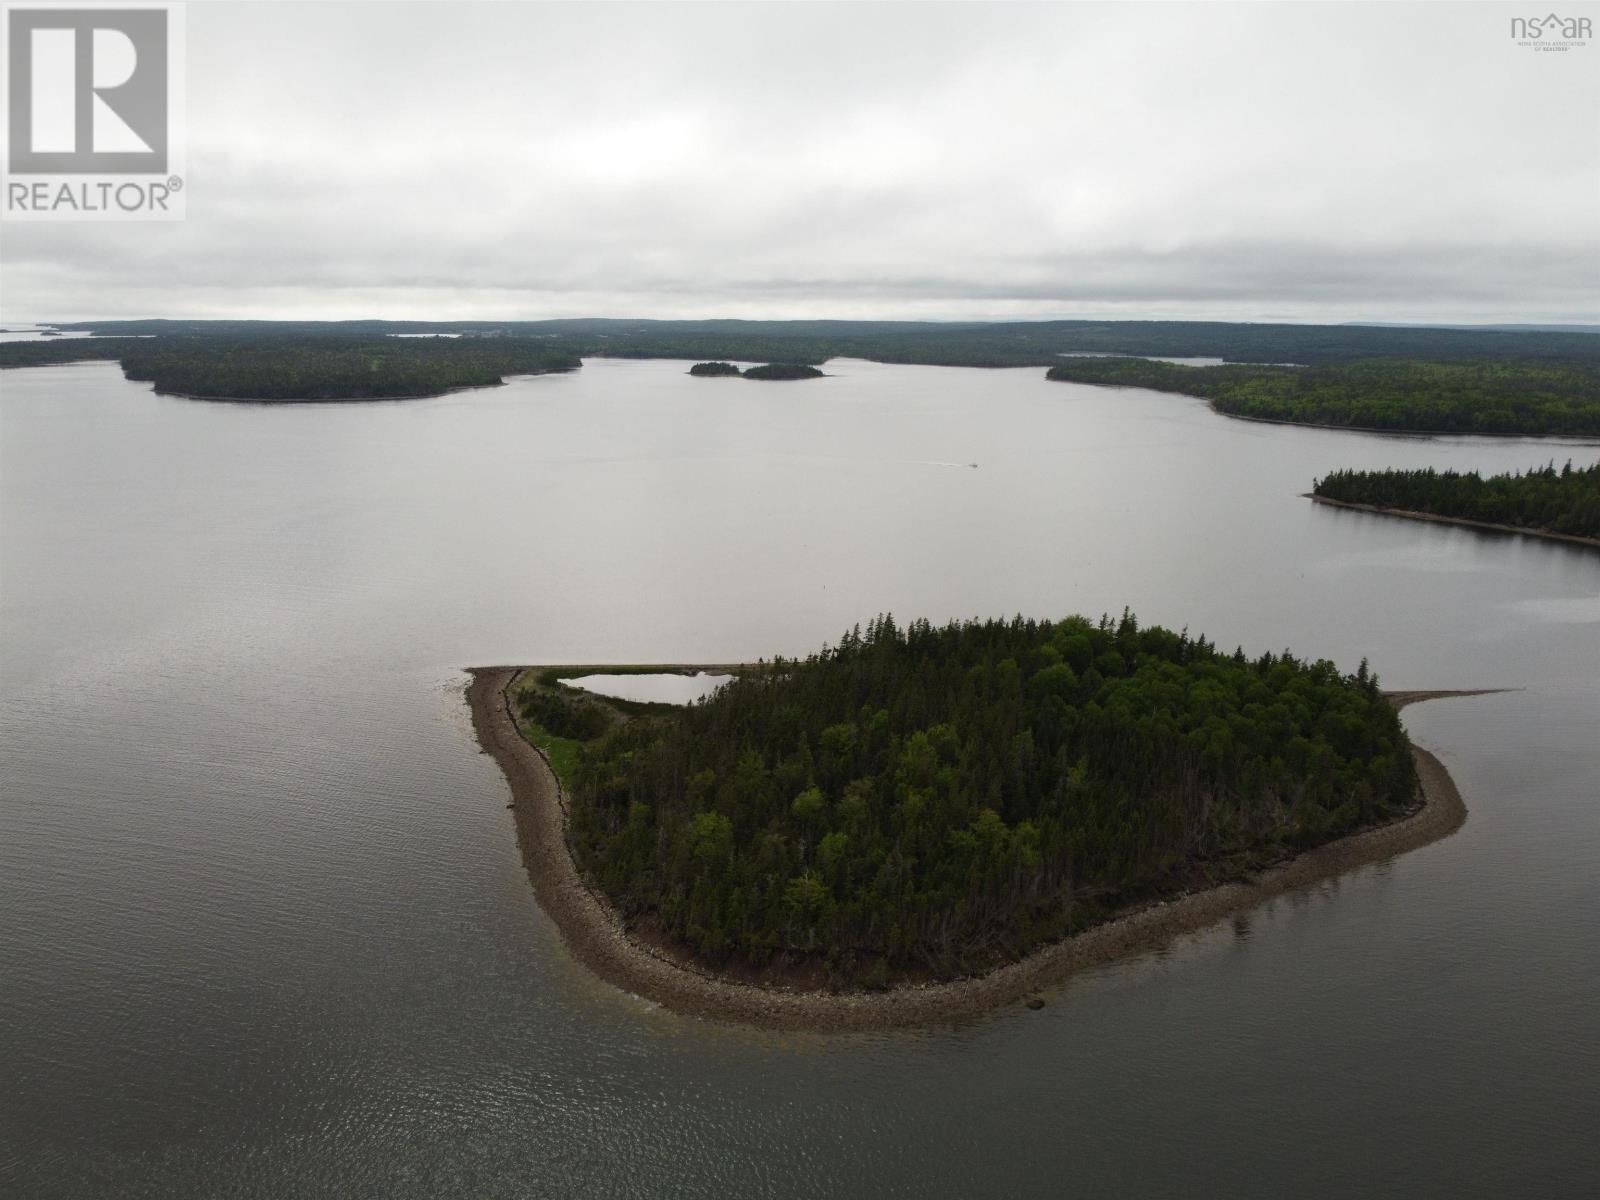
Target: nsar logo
(1551,32)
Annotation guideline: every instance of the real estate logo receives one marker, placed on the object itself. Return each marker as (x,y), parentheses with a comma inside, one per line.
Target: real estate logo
(94,112)
(1551,32)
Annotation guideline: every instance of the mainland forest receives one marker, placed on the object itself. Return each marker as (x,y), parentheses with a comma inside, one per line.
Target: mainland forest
(936,343)
(1468,396)
(940,800)
(1565,501)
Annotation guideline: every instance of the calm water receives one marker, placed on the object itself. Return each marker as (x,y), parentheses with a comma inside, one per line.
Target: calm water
(653,689)
(265,931)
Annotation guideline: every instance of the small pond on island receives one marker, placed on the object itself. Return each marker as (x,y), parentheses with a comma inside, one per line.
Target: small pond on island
(667,687)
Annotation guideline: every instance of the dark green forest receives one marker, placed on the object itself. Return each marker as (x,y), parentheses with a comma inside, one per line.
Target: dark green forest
(947,343)
(941,800)
(1563,501)
(308,369)
(64,350)
(1469,396)
(783,371)
(767,371)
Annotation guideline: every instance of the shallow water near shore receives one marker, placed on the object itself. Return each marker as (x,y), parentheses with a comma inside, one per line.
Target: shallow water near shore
(267,932)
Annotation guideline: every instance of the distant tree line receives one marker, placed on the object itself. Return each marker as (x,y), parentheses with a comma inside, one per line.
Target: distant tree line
(964,343)
(1544,498)
(57,351)
(1470,396)
(1401,379)
(945,799)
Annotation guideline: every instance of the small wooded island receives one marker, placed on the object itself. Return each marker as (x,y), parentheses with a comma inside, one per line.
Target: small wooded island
(923,821)
(1550,502)
(726,370)
(765,372)
(783,371)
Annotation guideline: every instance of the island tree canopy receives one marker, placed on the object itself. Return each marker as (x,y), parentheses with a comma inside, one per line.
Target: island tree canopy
(944,799)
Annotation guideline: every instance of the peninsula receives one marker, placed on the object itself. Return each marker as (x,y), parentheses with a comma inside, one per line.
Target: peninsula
(1545,502)
(1388,395)
(922,824)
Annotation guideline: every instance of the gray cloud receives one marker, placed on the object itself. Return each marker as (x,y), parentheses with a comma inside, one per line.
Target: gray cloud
(1286,161)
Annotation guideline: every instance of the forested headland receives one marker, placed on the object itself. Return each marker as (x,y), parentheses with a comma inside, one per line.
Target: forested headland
(936,801)
(1498,396)
(1545,499)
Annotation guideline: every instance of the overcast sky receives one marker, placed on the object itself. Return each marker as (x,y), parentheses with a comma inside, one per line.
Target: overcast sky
(1283,161)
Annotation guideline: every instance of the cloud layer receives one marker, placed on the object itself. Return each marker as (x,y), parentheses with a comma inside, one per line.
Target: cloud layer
(1308,162)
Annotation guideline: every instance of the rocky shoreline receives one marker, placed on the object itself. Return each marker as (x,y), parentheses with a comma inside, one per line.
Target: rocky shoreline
(594,931)
(1411,514)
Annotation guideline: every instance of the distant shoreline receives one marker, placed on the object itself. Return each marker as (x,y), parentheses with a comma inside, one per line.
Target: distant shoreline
(160,391)
(593,931)
(1575,439)
(1490,526)
(465,387)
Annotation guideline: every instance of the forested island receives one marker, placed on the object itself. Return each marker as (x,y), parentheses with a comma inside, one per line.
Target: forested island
(720,370)
(1565,502)
(1498,396)
(318,368)
(783,371)
(935,802)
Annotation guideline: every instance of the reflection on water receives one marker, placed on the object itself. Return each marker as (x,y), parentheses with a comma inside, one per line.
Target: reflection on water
(266,931)
(1563,610)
